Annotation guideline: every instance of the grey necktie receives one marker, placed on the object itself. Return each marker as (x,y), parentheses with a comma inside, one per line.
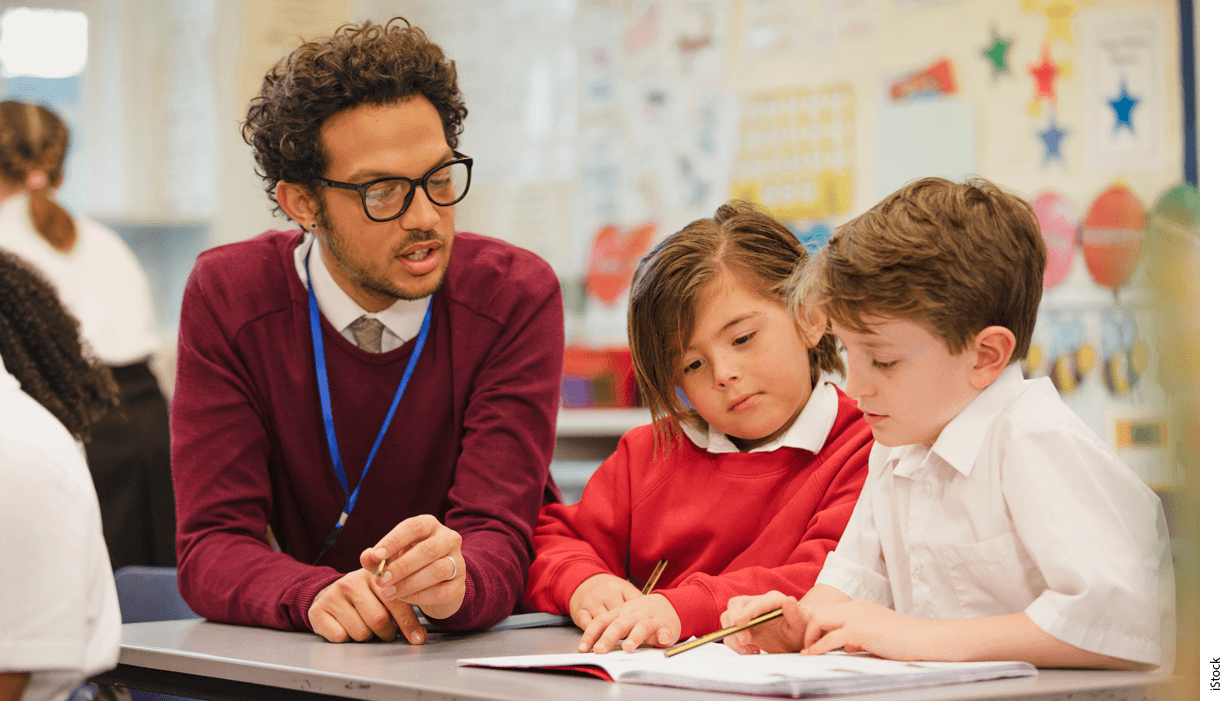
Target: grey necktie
(367,333)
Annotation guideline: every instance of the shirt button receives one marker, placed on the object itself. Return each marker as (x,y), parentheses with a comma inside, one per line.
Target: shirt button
(925,487)
(918,573)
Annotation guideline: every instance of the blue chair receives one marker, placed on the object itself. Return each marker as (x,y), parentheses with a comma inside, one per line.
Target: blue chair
(150,594)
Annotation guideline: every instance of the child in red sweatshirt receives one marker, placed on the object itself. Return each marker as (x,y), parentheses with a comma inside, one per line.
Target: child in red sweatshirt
(747,489)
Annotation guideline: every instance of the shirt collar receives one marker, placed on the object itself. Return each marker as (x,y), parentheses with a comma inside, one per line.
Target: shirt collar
(960,443)
(403,318)
(809,431)
(8,381)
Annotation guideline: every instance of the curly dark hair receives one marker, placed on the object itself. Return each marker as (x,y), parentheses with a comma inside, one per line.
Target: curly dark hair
(41,346)
(364,64)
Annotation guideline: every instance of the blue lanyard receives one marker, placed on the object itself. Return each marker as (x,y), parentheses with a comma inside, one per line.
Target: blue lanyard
(326,407)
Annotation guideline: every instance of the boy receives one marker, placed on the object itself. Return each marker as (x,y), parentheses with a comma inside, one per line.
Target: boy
(993,524)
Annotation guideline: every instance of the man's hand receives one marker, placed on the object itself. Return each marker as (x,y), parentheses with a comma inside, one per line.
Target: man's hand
(351,609)
(644,619)
(597,595)
(425,566)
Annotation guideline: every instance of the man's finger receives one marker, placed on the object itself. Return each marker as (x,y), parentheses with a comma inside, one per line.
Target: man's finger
(408,622)
(328,628)
(403,536)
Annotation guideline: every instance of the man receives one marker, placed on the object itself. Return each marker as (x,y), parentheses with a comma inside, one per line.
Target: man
(290,397)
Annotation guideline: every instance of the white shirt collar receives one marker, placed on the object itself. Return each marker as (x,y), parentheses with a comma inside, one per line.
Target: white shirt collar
(8,381)
(961,440)
(809,431)
(403,318)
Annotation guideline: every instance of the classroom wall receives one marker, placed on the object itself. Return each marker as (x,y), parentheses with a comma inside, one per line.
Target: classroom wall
(599,126)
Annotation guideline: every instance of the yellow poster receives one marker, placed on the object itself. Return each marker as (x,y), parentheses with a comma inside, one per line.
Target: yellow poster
(796,151)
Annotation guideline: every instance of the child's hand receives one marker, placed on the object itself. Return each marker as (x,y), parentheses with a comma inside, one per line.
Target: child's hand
(785,634)
(597,595)
(645,619)
(861,626)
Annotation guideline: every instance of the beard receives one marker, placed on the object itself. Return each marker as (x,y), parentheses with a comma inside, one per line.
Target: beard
(345,254)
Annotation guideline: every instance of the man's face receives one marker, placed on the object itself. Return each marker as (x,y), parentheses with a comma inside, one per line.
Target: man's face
(377,263)
(907,384)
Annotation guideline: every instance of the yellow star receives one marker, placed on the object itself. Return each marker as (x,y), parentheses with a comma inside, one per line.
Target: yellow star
(1058,14)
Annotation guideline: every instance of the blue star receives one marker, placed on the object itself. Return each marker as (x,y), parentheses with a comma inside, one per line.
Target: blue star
(1051,137)
(1123,108)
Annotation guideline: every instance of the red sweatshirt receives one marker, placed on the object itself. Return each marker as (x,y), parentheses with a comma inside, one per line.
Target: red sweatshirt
(729,523)
(470,443)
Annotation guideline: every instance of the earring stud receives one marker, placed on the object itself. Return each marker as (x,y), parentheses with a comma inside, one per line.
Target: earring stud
(312,225)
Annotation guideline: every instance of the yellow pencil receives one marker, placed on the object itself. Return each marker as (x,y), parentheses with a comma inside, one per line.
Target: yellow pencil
(380,569)
(653,578)
(719,634)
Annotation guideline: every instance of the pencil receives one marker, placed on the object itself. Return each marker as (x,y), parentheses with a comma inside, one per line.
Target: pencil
(380,569)
(719,634)
(653,578)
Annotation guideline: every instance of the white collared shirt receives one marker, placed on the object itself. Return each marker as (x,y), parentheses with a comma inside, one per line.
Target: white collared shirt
(808,432)
(1017,506)
(402,320)
(50,521)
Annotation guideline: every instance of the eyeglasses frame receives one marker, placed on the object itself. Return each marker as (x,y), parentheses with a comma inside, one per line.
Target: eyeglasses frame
(415,184)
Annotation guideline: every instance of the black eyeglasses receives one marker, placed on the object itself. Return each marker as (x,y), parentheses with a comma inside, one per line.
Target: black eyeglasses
(385,199)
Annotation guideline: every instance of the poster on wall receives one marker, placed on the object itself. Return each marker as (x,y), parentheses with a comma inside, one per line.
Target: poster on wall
(1124,91)
(920,139)
(796,151)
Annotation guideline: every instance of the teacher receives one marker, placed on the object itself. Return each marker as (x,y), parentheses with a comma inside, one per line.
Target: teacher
(372,386)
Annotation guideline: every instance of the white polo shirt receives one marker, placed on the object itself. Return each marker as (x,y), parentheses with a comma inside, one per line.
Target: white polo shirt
(59,614)
(1017,506)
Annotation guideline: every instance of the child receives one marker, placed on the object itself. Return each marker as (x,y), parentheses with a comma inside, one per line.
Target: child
(749,490)
(994,524)
(51,637)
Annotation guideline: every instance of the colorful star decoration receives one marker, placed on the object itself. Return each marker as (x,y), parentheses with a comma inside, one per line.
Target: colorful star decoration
(1058,14)
(1052,138)
(1123,107)
(1045,71)
(997,54)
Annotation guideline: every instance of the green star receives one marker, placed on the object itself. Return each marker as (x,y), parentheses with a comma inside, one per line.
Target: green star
(997,53)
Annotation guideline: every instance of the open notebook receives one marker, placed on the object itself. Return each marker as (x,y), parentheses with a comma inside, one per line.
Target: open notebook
(715,667)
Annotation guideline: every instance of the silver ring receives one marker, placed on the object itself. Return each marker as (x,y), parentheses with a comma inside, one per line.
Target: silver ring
(454,574)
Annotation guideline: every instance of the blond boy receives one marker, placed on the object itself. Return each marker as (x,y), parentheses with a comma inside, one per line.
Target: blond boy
(994,524)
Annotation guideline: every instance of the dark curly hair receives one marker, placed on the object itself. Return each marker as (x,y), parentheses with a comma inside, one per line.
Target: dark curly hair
(365,64)
(41,347)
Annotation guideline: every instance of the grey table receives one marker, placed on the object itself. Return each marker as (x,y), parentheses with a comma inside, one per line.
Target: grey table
(217,661)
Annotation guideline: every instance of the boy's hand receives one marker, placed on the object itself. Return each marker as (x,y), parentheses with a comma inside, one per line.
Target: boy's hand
(645,619)
(784,634)
(597,595)
(861,626)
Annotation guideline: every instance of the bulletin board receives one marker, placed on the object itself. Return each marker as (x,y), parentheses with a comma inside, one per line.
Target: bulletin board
(600,126)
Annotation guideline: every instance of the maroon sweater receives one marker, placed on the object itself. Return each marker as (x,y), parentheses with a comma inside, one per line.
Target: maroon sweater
(470,443)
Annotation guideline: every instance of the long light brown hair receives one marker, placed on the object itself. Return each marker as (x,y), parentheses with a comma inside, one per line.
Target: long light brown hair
(672,279)
(33,144)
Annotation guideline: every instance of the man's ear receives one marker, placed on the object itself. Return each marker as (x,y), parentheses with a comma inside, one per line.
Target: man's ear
(297,201)
(993,348)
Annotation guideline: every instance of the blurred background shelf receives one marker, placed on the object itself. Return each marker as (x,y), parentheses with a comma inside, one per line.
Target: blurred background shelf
(599,422)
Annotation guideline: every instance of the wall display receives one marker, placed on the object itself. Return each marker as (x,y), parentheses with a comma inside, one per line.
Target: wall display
(1072,356)
(796,151)
(1045,71)
(1052,139)
(1125,355)
(813,236)
(613,260)
(924,138)
(997,54)
(936,79)
(1060,223)
(1058,14)
(1113,236)
(1124,103)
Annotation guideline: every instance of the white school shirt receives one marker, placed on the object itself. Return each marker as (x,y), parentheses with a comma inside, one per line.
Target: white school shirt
(1017,506)
(59,614)
(402,320)
(808,432)
(100,281)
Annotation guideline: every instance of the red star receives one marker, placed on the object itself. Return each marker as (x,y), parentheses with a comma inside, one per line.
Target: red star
(1044,72)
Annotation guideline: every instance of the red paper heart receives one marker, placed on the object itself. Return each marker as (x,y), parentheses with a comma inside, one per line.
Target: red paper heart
(613,259)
